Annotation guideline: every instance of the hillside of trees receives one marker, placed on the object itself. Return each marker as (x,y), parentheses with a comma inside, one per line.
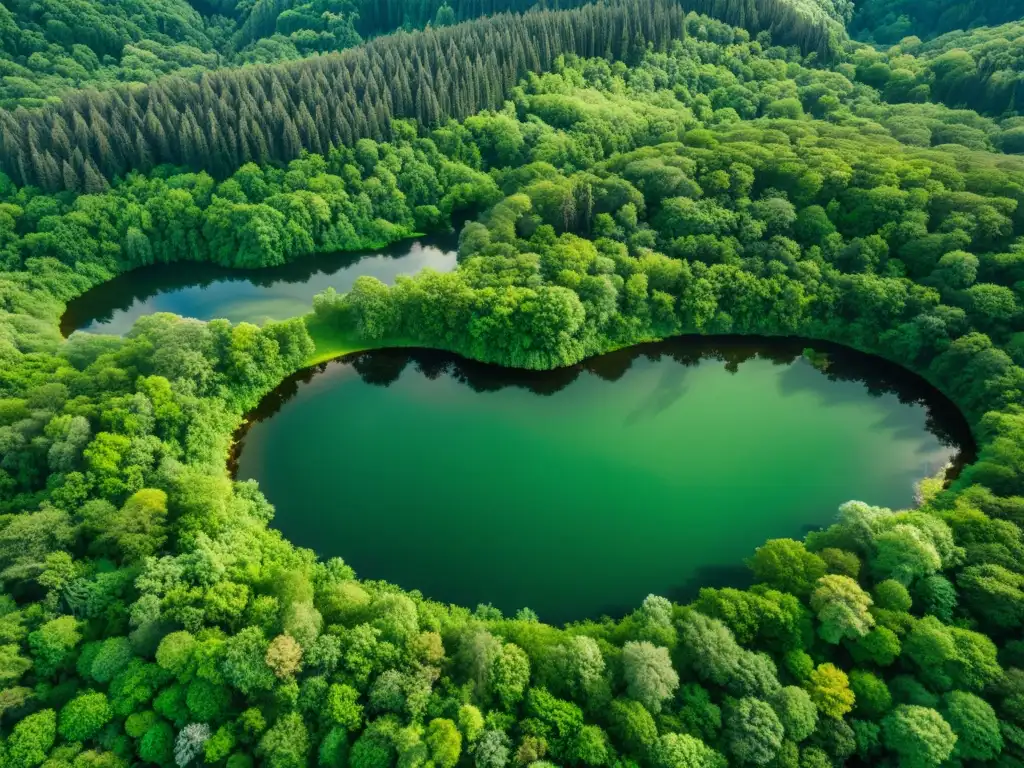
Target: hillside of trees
(888,21)
(976,70)
(629,171)
(260,114)
(49,48)
(52,48)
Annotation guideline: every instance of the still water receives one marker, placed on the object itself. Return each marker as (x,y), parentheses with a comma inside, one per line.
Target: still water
(206,291)
(578,492)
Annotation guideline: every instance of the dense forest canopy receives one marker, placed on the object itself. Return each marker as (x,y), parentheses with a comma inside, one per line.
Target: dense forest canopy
(887,21)
(274,113)
(629,171)
(977,70)
(52,47)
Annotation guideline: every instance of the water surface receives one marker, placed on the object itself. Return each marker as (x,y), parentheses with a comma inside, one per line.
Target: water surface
(206,291)
(578,492)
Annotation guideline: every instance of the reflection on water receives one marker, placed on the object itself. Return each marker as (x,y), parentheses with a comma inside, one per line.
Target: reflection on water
(579,491)
(872,376)
(206,291)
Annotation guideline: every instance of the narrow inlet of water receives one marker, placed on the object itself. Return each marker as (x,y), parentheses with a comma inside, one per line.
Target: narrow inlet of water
(206,291)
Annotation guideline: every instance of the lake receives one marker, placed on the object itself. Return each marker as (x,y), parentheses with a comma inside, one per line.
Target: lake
(206,291)
(578,492)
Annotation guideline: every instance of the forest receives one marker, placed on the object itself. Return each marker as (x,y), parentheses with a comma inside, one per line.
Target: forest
(847,171)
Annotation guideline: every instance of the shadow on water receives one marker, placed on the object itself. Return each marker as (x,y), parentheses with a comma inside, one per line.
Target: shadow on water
(718,576)
(875,375)
(713,576)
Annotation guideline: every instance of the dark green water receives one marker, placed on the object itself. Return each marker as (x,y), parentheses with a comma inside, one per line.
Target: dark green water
(578,492)
(206,291)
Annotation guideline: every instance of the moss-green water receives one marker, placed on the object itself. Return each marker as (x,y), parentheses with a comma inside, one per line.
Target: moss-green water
(578,492)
